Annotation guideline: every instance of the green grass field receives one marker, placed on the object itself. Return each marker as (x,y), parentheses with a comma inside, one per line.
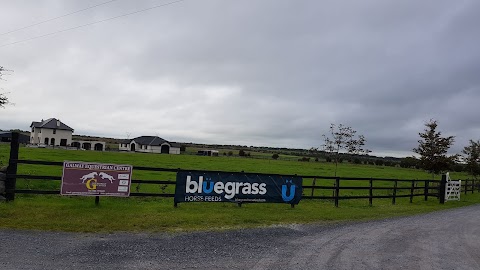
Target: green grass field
(54,212)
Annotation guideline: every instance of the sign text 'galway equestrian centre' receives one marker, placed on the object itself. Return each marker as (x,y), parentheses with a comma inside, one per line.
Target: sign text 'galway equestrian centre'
(237,188)
(95,179)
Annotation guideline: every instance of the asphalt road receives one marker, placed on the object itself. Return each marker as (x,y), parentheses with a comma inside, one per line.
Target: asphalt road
(442,240)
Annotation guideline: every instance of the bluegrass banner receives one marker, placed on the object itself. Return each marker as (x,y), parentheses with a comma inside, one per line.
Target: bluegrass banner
(237,188)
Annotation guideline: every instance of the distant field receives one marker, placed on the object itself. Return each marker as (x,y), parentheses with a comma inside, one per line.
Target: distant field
(53,212)
(224,163)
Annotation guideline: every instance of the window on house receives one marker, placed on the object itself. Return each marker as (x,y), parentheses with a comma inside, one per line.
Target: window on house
(54,131)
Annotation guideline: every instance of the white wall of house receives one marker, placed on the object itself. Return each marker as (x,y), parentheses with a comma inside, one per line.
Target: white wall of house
(38,136)
(89,145)
(124,147)
(147,148)
(174,150)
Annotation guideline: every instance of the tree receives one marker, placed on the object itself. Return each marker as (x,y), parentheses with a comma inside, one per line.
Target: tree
(433,150)
(3,99)
(471,155)
(275,156)
(342,139)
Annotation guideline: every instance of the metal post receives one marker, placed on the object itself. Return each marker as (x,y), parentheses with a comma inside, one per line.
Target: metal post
(97,200)
(11,182)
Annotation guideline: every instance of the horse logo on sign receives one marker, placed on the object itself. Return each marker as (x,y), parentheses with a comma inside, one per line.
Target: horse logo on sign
(88,176)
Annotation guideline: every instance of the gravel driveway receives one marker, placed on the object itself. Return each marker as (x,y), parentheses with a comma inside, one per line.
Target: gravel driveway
(442,240)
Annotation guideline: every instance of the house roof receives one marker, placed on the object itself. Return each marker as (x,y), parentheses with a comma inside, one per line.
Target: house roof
(150,140)
(51,123)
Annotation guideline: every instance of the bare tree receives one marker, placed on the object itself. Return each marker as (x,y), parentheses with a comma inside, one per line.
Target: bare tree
(3,98)
(471,155)
(433,149)
(342,139)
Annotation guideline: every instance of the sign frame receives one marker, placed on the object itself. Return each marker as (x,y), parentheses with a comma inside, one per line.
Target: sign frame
(204,186)
(81,178)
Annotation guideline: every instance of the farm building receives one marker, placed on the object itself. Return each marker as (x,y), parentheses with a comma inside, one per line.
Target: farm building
(50,132)
(149,144)
(89,145)
(210,153)
(6,136)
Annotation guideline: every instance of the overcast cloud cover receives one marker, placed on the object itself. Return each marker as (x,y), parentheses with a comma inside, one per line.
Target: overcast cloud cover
(250,72)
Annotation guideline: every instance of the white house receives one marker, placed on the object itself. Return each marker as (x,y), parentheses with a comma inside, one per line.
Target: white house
(51,132)
(149,144)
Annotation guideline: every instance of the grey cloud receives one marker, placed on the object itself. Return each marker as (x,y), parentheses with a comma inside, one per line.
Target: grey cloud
(250,72)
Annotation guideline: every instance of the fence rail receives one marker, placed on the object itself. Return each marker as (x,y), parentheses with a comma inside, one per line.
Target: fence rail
(314,187)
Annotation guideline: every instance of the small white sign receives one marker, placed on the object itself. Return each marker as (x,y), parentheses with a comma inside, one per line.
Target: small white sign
(122,189)
(123,176)
(123,183)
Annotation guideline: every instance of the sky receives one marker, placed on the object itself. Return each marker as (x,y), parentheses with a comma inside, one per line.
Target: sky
(253,72)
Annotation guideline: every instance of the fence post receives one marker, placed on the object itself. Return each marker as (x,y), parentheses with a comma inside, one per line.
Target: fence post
(394,192)
(337,190)
(466,186)
(412,190)
(313,185)
(370,193)
(11,179)
(425,190)
(441,190)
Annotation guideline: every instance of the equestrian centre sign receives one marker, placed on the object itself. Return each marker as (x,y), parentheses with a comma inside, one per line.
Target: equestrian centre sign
(96,179)
(237,188)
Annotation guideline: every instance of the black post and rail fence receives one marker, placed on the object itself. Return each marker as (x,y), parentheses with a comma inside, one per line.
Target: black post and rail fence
(316,187)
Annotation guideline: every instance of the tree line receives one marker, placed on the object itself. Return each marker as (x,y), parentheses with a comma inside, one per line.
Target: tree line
(432,151)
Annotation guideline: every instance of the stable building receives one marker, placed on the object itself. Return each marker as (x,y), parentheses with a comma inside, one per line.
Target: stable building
(6,136)
(149,144)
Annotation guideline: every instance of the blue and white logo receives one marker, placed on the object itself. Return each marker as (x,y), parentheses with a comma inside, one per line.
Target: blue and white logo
(285,197)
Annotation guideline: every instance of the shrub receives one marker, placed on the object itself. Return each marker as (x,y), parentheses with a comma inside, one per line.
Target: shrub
(379,162)
(275,156)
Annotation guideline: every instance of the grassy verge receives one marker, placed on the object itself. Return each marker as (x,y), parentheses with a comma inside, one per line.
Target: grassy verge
(79,214)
